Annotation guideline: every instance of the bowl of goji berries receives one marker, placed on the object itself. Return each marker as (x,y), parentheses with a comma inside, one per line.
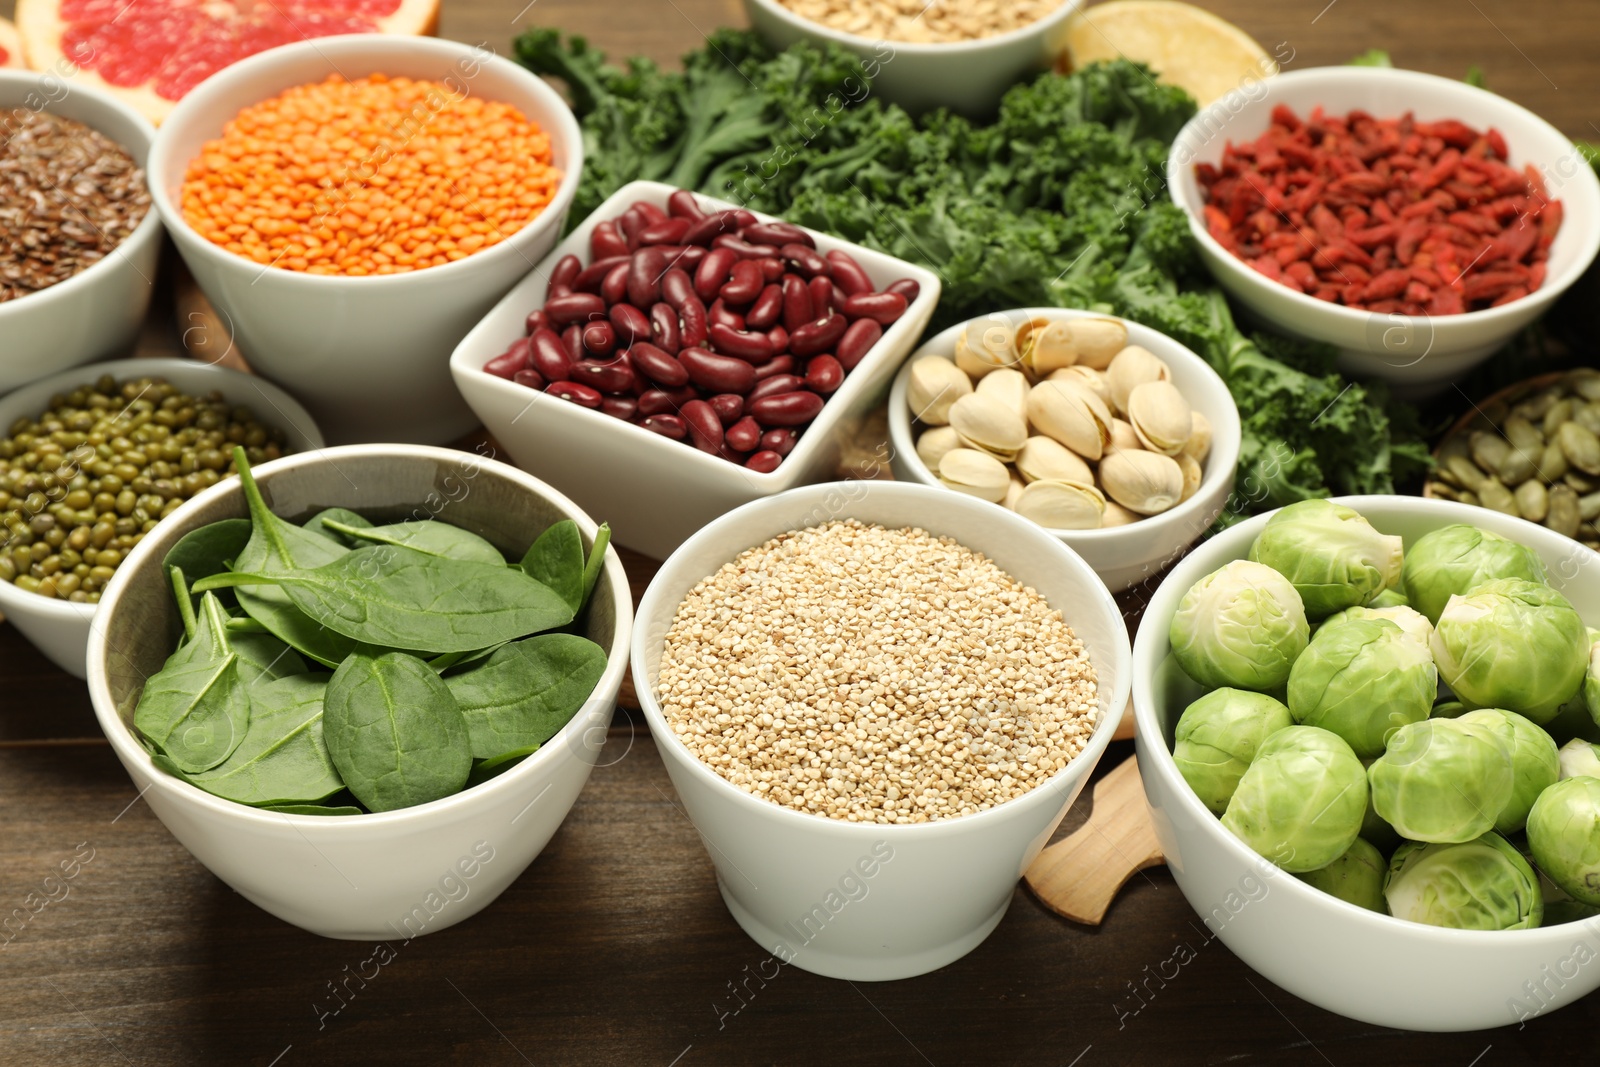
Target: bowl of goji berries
(1412,221)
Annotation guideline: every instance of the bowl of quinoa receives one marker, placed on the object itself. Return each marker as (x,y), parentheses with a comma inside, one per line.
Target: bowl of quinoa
(877,703)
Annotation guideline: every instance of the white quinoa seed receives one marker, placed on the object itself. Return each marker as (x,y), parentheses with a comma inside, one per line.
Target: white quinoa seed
(875,675)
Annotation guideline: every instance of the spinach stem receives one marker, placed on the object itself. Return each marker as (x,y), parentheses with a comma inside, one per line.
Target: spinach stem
(180,590)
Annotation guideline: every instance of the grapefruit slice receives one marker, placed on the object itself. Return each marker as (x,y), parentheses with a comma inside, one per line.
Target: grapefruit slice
(10,46)
(151,52)
(1195,50)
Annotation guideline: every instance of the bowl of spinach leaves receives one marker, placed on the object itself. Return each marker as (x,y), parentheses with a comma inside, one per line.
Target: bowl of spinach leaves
(365,685)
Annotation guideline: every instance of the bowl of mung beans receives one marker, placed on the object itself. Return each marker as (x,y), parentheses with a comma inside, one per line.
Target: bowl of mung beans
(959,54)
(876,701)
(91,459)
(78,238)
(353,205)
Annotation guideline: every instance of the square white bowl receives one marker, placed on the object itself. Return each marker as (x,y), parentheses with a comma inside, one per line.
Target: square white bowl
(653,491)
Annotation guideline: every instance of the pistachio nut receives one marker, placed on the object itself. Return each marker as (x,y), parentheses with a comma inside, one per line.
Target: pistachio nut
(1133,367)
(1062,505)
(989,425)
(1199,443)
(1072,415)
(1145,482)
(1123,436)
(1117,515)
(1088,378)
(1047,346)
(1193,475)
(1013,491)
(987,344)
(1161,417)
(934,443)
(935,384)
(1581,446)
(1098,341)
(979,474)
(1046,459)
(1008,386)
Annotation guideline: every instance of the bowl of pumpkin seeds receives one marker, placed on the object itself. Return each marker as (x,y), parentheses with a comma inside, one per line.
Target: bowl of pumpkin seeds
(1531,450)
(364,685)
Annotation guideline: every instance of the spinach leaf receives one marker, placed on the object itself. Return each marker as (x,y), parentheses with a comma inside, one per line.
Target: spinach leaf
(447,660)
(196,709)
(314,809)
(282,758)
(493,767)
(264,658)
(435,538)
(597,559)
(527,691)
(208,550)
(315,523)
(395,597)
(556,559)
(394,732)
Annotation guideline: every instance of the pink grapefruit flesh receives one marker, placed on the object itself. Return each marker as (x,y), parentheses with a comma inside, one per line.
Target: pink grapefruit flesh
(10,46)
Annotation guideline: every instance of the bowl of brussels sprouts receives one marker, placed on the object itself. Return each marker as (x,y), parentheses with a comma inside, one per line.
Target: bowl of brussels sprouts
(1367,732)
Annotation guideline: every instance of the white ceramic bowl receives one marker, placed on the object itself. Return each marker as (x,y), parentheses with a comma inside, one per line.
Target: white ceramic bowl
(1122,556)
(60,628)
(965,76)
(1346,959)
(97,312)
(368,356)
(938,888)
(1418,354)
(655,492)
(393,874)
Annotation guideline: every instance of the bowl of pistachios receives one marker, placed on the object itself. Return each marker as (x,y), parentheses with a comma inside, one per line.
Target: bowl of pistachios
(1114,437)
(1531,450)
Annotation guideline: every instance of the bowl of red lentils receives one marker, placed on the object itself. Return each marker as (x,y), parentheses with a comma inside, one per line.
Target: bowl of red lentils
(1415,222)
(78,238)
(353,205)
(925,54)
(877,701)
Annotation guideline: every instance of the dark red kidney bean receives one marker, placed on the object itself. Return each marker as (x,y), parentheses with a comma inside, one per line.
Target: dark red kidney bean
(630,322)
(778,339)
(772,268)
(783,364)
(764,462)
(711,227)
(847,274)
(644,277)
(683,205)
(669,232)
(612,376)
(909,288)
(577,392)
(720,314)
(529,377)
(743,218)
(554,292)
(614,290)
(750,347)
(665,401)
(549,356)
(566,269)
(630,224)
(776,385)
(664,329)
(590,278)
(818,335)
(574,307)
(742,249)
(705,429)
(730,454)
(763,314)
(572,341)
(745,284)
(804,259)
(717,373)
(692,324)
(599,338)
(677,290)
(785,409)
(777,234)
(882,308)
(513,359)
(620,407)
(728,406)
(651,213)
(535,320)
(666,425)
(713,272)
(822,294)
(796,302)
(824,374)
(856,342)
(689,259)
(658,366)
(606,243)
(779,441)
(744,435)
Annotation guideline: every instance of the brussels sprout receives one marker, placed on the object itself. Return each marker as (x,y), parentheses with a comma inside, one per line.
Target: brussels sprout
(1218,736)
(1591,680)
(1448,709)
(1442,780)
(1241,626)
(1572,720)
(1453,560)
(1481,884)
(1579,759)
(1363,679)
(1535,765)
(1512,644)
(1332,555)
(1389,598)
(1300,802)
(1564,834)
(1412,621)
(1357,877)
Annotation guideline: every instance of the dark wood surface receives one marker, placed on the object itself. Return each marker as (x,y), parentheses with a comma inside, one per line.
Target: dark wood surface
(615,946)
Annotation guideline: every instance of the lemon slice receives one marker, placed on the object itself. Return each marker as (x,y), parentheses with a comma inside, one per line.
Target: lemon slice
(1186,46)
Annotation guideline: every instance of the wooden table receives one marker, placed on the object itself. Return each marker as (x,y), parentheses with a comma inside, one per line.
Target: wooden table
(615,947)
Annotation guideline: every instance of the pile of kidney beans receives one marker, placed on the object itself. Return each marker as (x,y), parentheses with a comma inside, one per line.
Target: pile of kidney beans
(715,329)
